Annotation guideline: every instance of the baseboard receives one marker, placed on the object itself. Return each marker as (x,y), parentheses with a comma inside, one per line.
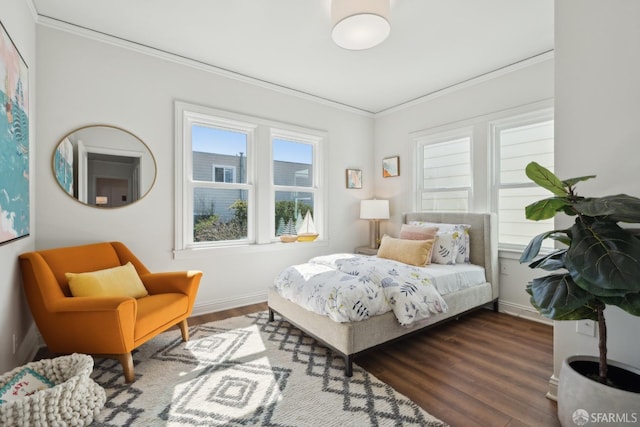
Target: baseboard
(30,345)
(552,393)
(226,304)
(523,311)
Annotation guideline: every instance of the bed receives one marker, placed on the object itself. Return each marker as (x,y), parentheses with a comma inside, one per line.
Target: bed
(350,339)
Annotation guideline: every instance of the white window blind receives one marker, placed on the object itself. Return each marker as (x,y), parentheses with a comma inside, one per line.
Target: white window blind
(445,167)
(517,142)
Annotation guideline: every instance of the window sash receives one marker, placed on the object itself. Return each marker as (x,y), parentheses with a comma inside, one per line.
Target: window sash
(518,141)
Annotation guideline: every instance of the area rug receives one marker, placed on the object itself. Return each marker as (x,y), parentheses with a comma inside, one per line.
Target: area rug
(247,371)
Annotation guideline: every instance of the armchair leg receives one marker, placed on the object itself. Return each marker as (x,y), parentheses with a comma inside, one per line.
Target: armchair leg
(127,367)
(184,328)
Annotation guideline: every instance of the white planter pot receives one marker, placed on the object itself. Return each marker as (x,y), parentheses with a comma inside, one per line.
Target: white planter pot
(585,402)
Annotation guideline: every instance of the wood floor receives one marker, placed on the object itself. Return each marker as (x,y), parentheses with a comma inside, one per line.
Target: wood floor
(484,369)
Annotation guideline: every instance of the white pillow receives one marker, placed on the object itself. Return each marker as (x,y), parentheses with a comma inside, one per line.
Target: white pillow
(464,246)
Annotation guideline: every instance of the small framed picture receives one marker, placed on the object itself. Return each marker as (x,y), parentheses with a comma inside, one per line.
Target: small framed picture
(354,178)
(391,166)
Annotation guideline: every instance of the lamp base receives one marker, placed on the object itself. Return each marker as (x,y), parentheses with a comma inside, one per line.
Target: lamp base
(374,233)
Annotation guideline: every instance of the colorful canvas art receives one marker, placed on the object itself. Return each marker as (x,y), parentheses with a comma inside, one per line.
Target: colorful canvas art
(14,141)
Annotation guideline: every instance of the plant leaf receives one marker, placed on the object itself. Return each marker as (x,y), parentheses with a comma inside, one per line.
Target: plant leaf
(545,179)
(557,297)
(629,303)
(551,262)
(619,207)
(573,181)
(603,258)
(533,248)
(544,209)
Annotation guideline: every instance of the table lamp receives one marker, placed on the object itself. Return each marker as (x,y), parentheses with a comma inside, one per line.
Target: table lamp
(374,210)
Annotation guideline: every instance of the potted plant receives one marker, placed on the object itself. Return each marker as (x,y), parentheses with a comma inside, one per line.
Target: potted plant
(599,266)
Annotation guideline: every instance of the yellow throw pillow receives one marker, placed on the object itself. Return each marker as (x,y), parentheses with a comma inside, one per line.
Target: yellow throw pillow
(412,252)
(120,281)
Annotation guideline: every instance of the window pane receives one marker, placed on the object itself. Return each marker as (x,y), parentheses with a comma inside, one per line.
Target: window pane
(292,163)
(513,227)
(217,153)
(219,214)
(291,206)
(521,145)
(447,164)
(449,201)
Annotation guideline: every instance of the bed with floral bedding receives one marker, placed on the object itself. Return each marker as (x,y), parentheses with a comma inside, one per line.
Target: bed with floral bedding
(353,303)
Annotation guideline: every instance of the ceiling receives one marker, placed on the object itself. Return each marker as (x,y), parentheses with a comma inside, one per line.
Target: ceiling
(433,45)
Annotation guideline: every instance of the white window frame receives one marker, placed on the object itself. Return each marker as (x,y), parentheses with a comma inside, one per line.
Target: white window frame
(422,139)
(259,182)
(495,127)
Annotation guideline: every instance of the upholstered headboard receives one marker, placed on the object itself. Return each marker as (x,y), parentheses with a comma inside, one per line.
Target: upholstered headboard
(483,237)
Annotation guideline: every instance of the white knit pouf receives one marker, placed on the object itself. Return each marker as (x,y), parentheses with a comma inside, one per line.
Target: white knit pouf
(74,400)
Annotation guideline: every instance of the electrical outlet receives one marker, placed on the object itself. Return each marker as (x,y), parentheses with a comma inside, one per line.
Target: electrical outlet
(586,327)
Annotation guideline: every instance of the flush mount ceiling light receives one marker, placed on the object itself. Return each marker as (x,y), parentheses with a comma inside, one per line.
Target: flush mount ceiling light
(360,24)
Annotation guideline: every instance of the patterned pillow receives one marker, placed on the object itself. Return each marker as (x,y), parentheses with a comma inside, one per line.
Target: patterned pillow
(464,247)
(445,248)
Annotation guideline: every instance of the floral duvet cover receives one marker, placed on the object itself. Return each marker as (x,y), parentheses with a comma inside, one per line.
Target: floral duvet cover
(351,287)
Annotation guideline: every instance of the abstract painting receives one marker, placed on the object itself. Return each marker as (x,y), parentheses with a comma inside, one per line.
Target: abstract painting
(14,141)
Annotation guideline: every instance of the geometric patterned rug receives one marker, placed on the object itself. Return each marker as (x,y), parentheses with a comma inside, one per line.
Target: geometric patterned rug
(247,371)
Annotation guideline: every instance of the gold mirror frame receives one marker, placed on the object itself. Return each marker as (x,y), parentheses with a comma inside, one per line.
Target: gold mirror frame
(104,166)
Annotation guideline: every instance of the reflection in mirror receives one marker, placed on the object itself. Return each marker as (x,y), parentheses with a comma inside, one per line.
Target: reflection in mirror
(104,166)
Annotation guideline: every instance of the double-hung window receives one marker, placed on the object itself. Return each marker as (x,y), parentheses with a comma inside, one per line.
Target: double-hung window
(444,181)
(240,178)
(516,142)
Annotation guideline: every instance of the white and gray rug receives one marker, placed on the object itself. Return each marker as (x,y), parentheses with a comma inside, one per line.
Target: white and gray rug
(247,371)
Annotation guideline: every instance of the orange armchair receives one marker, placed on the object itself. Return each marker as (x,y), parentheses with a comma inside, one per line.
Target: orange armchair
(104,326)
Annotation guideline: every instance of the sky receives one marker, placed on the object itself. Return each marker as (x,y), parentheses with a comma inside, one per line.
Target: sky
(212,140)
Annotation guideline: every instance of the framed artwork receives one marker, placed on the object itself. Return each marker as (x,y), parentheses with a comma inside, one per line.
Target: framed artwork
(391,166)
(354,178)
(14,141)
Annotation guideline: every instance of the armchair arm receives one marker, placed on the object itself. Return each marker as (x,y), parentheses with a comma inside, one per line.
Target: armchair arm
(183,282)
(93,325)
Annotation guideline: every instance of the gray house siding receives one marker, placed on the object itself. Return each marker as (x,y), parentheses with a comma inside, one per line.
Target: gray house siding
(209,201)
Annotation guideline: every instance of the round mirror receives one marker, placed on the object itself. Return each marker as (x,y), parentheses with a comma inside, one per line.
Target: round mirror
(104,166)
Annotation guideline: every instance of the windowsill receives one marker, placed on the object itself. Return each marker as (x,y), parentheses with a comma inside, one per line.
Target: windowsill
(204,252)
(516,253)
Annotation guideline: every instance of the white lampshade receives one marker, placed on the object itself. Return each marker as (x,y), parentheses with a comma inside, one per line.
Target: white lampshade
(374,209)
(360,24)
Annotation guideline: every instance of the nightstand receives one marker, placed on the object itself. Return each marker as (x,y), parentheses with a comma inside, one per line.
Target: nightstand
(366,250)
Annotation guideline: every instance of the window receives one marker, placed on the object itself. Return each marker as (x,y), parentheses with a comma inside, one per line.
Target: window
(444,172)
(518,141)
(293,190)
(224,173)
(220,159)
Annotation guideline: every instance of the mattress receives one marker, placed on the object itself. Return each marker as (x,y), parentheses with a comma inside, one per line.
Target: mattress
(452,278)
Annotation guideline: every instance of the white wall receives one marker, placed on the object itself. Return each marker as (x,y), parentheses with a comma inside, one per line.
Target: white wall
(85,81)
(15,320)
(597,110)
(516,91)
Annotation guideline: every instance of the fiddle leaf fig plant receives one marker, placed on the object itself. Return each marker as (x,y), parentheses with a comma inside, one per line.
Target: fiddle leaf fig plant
(600,264)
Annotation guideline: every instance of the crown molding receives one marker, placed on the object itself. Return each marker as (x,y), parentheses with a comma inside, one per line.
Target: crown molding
(537,59)
(56,24)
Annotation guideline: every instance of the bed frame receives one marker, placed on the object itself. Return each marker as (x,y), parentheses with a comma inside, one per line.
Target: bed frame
(352,339)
